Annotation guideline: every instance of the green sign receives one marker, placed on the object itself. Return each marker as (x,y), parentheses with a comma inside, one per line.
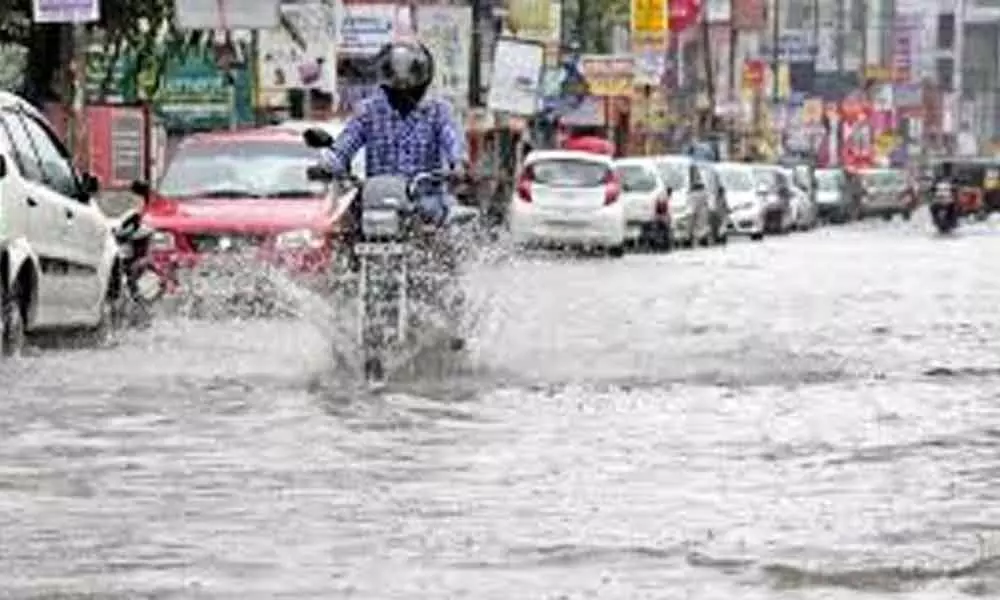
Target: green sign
(194,94)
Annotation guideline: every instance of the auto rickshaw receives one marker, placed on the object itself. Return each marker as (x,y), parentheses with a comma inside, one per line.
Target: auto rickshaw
(977,183)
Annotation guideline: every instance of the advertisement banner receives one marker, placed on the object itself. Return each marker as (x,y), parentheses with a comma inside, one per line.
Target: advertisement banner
(445,31)
(649,17)
(533,15)
(517,77)
(608,75)
(857,137)
(906,34)
(365,28)
(307,61)
(117,136)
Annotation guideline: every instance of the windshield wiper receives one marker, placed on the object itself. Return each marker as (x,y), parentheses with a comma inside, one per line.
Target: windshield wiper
(230,193)
(292,194)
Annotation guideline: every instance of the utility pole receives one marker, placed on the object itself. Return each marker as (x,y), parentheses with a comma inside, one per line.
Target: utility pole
(775,43)
(476,38)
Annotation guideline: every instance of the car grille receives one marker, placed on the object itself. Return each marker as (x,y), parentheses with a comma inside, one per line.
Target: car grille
(224,242)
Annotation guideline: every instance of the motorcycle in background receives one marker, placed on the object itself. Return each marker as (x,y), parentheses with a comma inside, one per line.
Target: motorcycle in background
(944,207)
(144,285)
(406,268)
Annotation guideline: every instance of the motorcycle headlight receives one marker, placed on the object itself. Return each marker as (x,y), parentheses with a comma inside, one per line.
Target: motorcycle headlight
(298,239)
(162,240)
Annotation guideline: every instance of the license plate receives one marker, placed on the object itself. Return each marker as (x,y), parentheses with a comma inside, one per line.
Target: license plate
(566,223)
(380,249)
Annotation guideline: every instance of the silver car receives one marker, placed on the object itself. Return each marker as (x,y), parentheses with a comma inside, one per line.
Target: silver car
(885,192)
(690,215)
(836,204)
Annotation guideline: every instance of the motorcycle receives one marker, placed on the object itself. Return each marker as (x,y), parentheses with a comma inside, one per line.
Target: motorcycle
(406,267)
(944,208)
(143,284)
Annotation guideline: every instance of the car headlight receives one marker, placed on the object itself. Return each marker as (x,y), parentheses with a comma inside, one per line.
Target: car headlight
(162,240)
(298,239)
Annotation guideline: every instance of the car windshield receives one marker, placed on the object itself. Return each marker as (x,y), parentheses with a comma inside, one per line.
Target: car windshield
(829,180)
(674,174)
(736,180)
(766,176)
(636,178)
(569,172)
(240,169)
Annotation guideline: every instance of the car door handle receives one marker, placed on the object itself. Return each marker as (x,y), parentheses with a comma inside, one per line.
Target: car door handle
(31,201)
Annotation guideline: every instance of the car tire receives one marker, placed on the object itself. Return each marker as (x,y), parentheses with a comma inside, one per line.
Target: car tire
(616,251)
(906,215)
(13,328)
(757,237)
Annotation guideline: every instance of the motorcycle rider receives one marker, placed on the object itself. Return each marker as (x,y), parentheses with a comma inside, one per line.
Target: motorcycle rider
(403,132)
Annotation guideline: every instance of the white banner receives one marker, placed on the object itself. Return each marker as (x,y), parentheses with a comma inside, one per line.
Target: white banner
(365,28)
(66,11)
(224,14)
(517,75)
(309,62)
(446,31)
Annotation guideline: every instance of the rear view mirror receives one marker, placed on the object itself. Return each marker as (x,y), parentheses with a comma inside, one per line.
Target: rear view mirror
(317,138)
(319,173)
(90,183)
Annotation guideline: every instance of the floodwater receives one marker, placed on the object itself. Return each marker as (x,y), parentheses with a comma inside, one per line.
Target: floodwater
(816,416)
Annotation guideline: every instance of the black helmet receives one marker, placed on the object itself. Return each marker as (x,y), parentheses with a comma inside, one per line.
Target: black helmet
(405,67)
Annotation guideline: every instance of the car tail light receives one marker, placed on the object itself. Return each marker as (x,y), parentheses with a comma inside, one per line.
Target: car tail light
(524,184)
(612,188)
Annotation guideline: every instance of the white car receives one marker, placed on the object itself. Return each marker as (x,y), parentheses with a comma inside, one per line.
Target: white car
(568,198)
(59,265)
(647,210)
(747,206)
(690,207)
(334,127)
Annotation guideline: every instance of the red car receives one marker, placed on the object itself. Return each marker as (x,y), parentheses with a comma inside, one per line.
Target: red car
(241,194)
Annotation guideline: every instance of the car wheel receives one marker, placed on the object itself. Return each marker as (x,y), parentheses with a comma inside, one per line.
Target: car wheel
(756,237)
(13,334)
(887,216)
(906,215)
(616,251)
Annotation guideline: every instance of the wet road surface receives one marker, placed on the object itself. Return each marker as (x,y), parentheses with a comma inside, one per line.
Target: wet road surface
(816,416)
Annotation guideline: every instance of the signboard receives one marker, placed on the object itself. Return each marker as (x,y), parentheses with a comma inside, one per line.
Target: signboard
(591,112)
(117,144)
(649,17)
(794,45)
(65,11)
(754,74)
(224,14)
(309,62)
(517,77)
(445,31)
(608,75)
(857,141)
(531,15)
(365,28)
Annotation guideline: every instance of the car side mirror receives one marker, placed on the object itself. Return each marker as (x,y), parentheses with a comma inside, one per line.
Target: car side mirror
(90,183)
(317,138)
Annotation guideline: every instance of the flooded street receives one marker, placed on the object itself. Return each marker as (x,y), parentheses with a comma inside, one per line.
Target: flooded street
(817,416)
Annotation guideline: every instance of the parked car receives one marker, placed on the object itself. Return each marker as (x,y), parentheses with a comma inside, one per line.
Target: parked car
(647,210)
(834,202)
(774,185)
(689,204)
(718,206)
(747,206)
(229,200)
(569,198)
(886,192)
(58,255)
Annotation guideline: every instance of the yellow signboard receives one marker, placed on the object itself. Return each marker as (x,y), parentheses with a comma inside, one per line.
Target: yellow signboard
(608,75)
(649,17)
(533,15)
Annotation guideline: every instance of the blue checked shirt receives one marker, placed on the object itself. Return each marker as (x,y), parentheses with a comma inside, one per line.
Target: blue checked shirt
(425,140)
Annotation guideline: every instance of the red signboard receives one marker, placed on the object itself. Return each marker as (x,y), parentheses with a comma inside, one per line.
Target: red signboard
(857,142)
(117,144)
(754,71)
(683,14)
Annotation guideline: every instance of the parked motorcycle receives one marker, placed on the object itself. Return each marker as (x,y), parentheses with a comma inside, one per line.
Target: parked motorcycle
(944,207)
(144,285)
(407,284)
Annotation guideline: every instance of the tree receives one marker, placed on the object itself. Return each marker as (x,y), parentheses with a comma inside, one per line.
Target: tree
(137,23)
